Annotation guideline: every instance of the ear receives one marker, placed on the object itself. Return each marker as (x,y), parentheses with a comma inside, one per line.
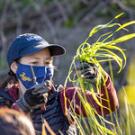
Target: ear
(14,67)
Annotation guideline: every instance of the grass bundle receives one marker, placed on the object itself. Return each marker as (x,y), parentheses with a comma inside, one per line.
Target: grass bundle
(105,49)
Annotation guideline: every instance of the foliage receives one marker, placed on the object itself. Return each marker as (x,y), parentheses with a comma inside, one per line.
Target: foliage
(130,3)
(104,49)
(127,102)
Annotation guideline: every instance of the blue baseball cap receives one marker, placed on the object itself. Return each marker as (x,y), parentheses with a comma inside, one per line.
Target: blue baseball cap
(30,43)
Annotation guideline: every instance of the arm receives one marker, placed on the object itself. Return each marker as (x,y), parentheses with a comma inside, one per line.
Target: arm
(72,96)
(8,98)
(108,92)
(32,98)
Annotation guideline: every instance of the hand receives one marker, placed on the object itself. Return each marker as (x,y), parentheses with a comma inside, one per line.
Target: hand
(36,96)
(33,98)
(88,71)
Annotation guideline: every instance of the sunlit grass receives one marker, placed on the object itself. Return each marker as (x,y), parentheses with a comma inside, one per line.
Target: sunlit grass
(127,102)
(105,49)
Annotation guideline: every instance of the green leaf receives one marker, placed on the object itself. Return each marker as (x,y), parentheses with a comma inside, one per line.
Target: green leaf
(103,26)
(125,25)
(124,38)
(118,49)
(119,15)
(113,56)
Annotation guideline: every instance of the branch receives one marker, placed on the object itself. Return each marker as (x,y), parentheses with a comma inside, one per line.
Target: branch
(62,10)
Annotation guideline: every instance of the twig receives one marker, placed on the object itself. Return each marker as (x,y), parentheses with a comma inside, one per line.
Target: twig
(62,10)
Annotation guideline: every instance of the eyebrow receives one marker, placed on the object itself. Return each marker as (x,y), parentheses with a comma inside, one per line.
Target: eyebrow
(36,58)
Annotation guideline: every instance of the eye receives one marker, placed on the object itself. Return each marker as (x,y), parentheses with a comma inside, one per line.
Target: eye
(34,63)
(48,62)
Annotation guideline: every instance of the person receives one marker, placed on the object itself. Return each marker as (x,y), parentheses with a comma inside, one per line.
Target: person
(13,122)
(31,88)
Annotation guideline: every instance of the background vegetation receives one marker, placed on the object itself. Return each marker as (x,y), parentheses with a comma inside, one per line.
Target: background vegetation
(65,22)
(68,22)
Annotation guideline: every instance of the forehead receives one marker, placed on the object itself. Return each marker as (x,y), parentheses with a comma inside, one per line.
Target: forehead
(45,53)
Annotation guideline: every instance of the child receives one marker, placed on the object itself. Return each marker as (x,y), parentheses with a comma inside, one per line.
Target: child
(30,59)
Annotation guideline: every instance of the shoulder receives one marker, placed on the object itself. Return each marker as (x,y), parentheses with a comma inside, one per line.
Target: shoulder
(7,96)
(14,92)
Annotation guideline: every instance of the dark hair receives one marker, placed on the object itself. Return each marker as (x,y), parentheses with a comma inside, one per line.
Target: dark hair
(10,78)
(15,123)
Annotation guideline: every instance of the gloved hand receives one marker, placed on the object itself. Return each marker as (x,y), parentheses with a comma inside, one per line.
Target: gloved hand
(33,98)
(36,96)
(88,71)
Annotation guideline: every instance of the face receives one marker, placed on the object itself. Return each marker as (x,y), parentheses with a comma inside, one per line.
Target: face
(41,58)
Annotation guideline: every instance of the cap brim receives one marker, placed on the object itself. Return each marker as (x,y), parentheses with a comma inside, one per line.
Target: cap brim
(56,49)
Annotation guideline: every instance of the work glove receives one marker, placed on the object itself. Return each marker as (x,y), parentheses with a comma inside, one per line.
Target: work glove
(87,71)
(33,98)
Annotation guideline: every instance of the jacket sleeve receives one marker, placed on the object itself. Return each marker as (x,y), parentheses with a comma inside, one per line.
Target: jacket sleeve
(7,97)
(107,97)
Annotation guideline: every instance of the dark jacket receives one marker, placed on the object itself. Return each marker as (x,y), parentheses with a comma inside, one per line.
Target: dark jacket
(56,112)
